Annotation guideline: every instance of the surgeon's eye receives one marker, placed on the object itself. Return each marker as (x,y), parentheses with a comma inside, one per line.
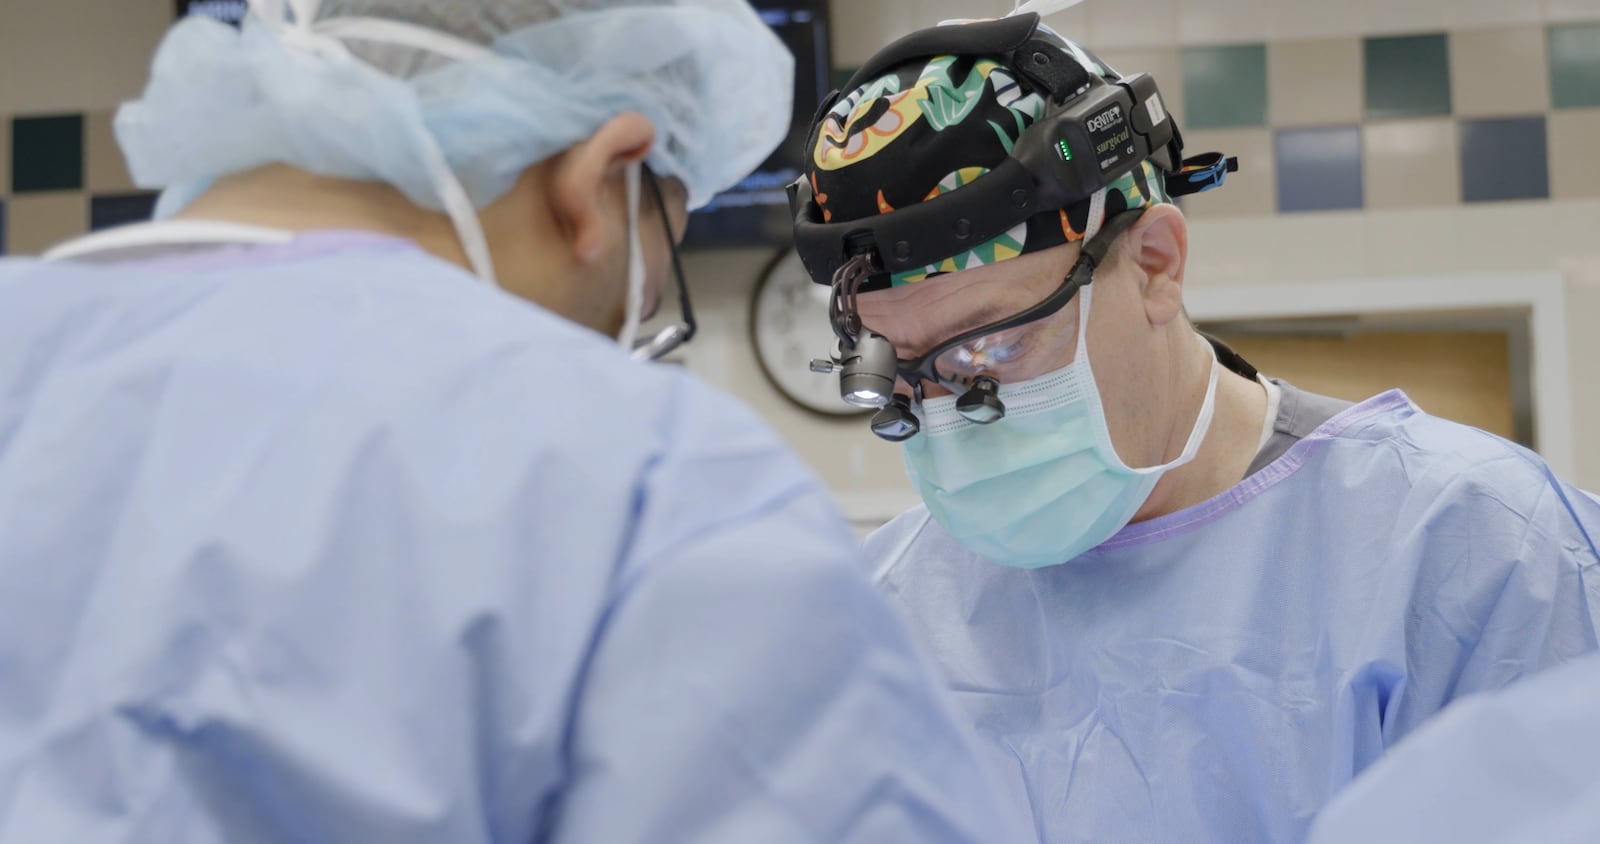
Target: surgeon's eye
(989,353)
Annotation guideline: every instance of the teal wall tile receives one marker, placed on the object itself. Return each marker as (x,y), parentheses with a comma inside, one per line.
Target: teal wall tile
(1225,87)
(1575,65)
(47,153)
(1505,159)
(1407,76)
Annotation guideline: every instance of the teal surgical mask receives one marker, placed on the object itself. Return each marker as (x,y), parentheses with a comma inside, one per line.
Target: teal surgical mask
(1044,484)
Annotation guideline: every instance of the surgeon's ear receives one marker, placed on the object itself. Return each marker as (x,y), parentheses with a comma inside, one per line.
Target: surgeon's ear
(1159,244)
(581,175)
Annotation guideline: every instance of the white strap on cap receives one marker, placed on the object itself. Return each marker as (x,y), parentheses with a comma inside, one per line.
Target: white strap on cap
(401,34)
(1097,215)
(305,32)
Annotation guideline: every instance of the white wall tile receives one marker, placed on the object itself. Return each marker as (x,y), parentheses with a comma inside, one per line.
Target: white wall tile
(930,12)
(1411,163)
(1583,305)
(860,28)
(77,55)
(1224,21)
(1574,141)
(1251,190)
(1402,243)
(1314,81)
(1499,72)
(1133,23)
(1564,11)
(1473,13)
(1392,17)
(1315,18)
(1074,23)
(38,221)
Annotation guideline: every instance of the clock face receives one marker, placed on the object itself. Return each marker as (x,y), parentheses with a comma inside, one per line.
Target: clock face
(789,324)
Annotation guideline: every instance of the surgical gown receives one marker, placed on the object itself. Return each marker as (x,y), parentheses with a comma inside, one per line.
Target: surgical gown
(1518,765)
(329,542)
(1219,673)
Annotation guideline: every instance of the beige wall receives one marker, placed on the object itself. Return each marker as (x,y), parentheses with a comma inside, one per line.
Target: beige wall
(76,55)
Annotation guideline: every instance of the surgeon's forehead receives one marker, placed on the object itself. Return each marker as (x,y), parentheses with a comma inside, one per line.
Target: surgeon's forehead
(918,317)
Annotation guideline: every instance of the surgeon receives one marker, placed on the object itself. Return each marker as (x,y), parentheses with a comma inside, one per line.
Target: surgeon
(336,506)
(1515,765)
(1177,599)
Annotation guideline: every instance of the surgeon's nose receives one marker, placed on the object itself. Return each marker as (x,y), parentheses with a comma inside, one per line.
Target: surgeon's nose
(930,389)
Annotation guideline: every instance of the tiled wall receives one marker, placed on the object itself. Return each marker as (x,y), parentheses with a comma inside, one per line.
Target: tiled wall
(62,175)
(64,67)
(1352,122)
(1363,104)
(1399,121)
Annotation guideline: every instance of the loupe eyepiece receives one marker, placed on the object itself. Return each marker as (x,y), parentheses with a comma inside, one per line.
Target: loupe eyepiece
(981,403)
(896,423)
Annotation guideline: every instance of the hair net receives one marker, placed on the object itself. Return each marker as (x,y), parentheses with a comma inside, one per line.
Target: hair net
(526,80)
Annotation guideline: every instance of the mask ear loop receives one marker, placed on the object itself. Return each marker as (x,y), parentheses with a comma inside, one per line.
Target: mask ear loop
(1097,221)
(635,305)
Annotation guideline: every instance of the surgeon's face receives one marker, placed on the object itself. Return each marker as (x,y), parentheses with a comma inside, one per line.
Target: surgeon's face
(919,317)
(661,227)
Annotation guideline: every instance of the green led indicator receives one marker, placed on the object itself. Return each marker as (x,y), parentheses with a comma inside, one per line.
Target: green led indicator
(1066,151)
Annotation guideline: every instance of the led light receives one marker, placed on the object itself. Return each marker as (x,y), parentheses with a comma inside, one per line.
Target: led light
(866,398)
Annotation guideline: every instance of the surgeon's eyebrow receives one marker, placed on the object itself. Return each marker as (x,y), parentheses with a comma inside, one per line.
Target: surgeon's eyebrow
(985,314)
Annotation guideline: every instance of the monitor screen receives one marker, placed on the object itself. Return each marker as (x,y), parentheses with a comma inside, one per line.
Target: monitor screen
(227,11)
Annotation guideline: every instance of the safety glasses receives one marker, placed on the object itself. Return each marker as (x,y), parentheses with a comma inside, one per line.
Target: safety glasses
(971,365)
(670,338)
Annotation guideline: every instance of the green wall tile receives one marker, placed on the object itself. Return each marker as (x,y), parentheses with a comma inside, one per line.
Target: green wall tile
(1408,76)
(47,153)
(1225,87)
(1575,65)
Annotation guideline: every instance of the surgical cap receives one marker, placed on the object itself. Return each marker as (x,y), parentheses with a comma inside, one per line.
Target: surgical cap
(715,81)
(932,126)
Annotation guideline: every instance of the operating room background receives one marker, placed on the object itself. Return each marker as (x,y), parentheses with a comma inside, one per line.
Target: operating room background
(1383,142)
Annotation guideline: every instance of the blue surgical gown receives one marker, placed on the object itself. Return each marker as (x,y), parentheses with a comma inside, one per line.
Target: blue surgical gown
(1513,766)
(1219,673)
(329,542)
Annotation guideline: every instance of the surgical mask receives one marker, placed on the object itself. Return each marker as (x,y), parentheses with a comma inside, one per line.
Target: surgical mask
(1044,484)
